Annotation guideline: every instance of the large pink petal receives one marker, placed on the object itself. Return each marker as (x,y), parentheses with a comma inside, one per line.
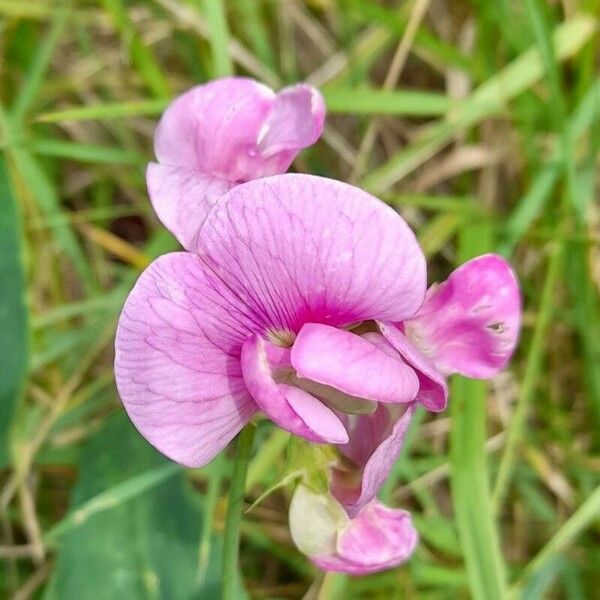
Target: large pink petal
(378,538)
(375,443)
(238,129)
(433,390)
(470,323)
(298,248)
(351,364)
(290,407)
(177,359)
(182,197)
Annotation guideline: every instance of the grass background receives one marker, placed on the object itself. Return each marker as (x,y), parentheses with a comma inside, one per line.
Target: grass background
(477,120)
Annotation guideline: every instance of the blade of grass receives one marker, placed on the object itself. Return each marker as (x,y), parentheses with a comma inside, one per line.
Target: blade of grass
(582,518)
(532,204)
(101,112)
(249,13)
(39,65)
(86,153)
(218,37)
(139,52)
(215,474)
(468,464)
(14,340)
(489,98)
(533,368)
(365,101)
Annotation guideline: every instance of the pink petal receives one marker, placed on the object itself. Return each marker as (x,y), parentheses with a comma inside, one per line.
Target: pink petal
(378,538)
(297,249)
(295,122)
(175,360)
(375,443)
(351,364)
(470,323)
(291,408)
(181,198)
(433,390)
(238,129)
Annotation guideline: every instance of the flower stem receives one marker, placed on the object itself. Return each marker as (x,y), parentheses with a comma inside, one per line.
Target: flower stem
(231,543)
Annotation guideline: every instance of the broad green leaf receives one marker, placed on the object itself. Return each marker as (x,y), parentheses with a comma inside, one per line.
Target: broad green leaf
(14,336)
(128,535)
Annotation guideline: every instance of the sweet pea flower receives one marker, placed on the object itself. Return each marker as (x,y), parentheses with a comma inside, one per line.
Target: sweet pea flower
(296,303)
(220,134)
(378,538)
(276,311)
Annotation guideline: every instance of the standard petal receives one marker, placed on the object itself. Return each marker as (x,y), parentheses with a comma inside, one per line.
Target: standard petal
(177,360)
(299,248)
(238,129)
(470,323)
(295,122)
(375,443)
(433,390)
(291,408)
(214,128)
(351,364)
(182,197)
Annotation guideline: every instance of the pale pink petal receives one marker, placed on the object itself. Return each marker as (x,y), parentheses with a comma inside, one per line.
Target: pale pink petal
(298,249)
(470,323)
(433,390)
(238,129)
(351,364)
(291,408)
(295,122)
(181,198)
(177,359)
(378,538)
(375,443)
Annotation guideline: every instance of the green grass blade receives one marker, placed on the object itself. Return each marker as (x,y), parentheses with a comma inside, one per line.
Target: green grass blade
(14,339)
(468,465)
(532,204)
(219,37)
(46,196)
(105,112)
(39,65)
(488,99)
(582,518)
(86,153)
(250,14)
(141,55)
(365,101)
(533,368)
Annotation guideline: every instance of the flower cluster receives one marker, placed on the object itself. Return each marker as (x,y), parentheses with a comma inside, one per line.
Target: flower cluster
(300,297)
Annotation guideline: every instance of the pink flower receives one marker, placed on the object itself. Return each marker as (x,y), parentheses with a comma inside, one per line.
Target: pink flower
(275,311)
(296,303)
(223,133)
(378,538)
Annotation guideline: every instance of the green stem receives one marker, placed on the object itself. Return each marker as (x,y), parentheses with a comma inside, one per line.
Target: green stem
(231,543)
(470,491)
(477,529)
